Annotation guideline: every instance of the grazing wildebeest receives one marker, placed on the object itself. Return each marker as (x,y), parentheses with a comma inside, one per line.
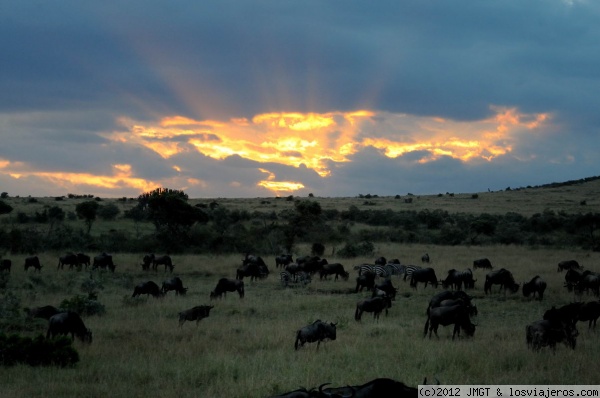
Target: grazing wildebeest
(567,265)
(589,281)
(335,268)
(252,270)
(197,314)
(424,275)
(456,279)
(33,262)
(163,260)
(367,280)
(568,313)
(311,264)
(546,333)
(252,259)
(68,322)
(69,259)
(535,285)
(103,261)
(447,315)
(5,264)
(460,301)
(501,277)
(589,311)
(386,287)
(374,304)
(46,312)
(83,259)
(376,388)
(425,258)
(317,331)
(149,287)
(147,261)
(174,284)
(283,259)
(482,263)
(439,298)
(299,393)
(225,285)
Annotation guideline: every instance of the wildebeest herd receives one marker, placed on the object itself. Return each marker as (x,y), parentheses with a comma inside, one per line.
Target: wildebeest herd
(452,306)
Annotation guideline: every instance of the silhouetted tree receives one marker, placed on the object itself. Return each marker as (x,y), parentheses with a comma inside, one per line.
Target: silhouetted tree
(87,212)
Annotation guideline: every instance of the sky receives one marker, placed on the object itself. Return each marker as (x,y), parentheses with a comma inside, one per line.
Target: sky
(235,98)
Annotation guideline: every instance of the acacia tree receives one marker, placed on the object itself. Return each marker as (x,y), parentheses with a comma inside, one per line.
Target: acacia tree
(169,211)
(87,211)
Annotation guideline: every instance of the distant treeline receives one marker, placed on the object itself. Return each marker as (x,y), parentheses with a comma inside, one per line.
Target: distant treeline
(350,232)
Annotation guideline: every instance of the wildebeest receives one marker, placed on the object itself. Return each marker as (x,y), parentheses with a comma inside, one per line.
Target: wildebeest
(546,333)
(33,262)
(374,304)
(103,261)
(367,280)
(589,281)
(147,261)
(5,264)
(425,258)
(439,298)
(387,287)
(567,265)
(376,388)
(69,259)
(225,285)
(567,313)
(589,311)
(317,331)
(335,268)
(195,314)
(83,259)
(447,315)
(482,263)
(456,279)
(283,259)
(423,275)
(501,277)
(163,260)
(311,264)
(572,278)
(299,393)
(68,322)
(252,270)
(380,261)
(148,288)
(45,312)
(535,285)
(252,259)
(174,284)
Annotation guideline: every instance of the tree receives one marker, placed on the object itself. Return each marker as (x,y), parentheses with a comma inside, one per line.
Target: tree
(87,211)
(55,215)
(108,211)
(169,211)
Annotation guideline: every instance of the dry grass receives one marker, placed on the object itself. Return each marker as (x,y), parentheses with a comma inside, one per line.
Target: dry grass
(245,348)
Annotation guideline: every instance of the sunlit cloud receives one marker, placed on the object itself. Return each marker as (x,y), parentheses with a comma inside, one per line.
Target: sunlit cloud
(314,140)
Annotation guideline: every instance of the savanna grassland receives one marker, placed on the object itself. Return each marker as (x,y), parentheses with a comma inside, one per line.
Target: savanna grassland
(245,348)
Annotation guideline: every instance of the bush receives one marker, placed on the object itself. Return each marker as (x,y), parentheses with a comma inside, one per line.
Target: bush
(357,249)
(83,305)
(38,351)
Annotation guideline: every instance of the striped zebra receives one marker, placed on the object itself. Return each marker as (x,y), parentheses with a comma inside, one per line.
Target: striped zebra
(379,270)
(287,278)
(408,270)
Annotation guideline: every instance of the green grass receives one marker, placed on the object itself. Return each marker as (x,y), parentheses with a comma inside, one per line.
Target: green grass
(246,347)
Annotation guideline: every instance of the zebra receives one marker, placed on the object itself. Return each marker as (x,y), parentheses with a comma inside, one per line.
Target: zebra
(379,270)
(299,277)
(408,270)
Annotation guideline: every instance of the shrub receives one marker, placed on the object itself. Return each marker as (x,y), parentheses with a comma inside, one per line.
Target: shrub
(38,351)
(357,249)
(83,305)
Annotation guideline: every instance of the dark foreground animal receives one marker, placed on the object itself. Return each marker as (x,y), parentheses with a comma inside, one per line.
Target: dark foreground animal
(5,264)
(336,269)
(163,260)
(501,277)
(456,279)
(69,259)
(317,331)
(547,333)
(375,305)
(366,279)
(567,265)
(174,284)
(423,275)
(387,287)
(482,263)
(377,388)
(83,259)
(45,312)
(535,285)
(283,260)
(148,288)
(68,322)
(33,262)
(456,314)
(438,298)
(147,261)
(567,314)
(227,285)
(589,311)
(104,261)
(195,314)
